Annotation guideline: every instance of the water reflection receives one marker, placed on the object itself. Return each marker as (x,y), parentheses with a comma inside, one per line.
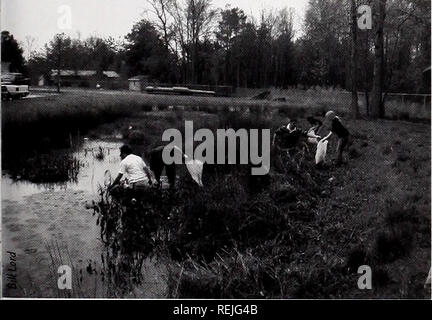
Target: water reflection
(91,173)
(34,213)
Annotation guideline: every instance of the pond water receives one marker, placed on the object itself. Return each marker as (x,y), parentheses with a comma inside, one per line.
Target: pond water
(48,225)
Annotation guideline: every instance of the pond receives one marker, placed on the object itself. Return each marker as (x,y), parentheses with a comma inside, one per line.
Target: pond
(48,225)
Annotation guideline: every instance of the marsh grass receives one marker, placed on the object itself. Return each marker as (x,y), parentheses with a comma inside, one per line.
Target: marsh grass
(206,233)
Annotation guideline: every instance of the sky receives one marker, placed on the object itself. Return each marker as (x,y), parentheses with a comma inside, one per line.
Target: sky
(39,19)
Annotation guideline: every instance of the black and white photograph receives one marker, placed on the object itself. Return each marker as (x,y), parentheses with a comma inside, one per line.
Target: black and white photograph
(216,150)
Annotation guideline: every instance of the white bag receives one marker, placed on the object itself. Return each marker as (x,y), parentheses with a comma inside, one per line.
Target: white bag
(321,152)
(312,140)
(195,168)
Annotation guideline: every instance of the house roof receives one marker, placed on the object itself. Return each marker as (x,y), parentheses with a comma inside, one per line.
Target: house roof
(63,72)
(84,73)
(111,74)
(139,78)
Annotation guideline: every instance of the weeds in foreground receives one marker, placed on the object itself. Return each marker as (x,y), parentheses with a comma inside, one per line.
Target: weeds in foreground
(206,233)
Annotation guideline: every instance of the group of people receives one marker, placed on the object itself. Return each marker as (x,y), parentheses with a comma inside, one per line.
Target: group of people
(138,174)
(286,138)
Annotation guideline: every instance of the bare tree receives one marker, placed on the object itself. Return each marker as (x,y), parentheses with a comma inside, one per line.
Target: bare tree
(354,58)
(160,8)
(377,106)
(193,20)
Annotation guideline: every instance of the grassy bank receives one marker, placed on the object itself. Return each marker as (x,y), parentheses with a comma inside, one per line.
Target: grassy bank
(303,232)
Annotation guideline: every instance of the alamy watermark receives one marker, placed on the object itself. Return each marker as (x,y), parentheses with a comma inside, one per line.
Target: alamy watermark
(254,147)
(364,21)
(64,282)
(64,21)
(365,280)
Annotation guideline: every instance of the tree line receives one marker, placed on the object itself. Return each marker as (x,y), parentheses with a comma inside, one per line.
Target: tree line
(190,41)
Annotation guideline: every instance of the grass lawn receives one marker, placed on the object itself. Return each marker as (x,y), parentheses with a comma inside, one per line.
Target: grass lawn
(375,210)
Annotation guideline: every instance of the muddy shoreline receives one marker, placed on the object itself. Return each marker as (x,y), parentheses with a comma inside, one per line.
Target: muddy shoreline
(47,224)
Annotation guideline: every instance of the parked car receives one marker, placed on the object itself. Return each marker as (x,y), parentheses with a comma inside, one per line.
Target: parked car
(13,91)
(14,86)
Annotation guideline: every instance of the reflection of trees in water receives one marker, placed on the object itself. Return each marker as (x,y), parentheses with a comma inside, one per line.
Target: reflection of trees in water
(44,168)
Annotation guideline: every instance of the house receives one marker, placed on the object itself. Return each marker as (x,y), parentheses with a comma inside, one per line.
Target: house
(138,83)
(85,78)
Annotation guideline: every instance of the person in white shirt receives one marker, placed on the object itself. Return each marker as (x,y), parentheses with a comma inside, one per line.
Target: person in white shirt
(133,168)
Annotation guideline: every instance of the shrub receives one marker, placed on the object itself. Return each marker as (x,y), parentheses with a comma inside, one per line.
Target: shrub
(381,277)
(353,153)
(398,214)
(136,137)
(392,245)
(357,257)
(323,283)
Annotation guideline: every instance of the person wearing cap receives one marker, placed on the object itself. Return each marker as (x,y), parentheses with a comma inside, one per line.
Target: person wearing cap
(338,129)
(133,168)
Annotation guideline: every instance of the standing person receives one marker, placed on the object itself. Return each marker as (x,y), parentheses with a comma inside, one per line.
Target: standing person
(157,165)
(194,166)
(133,168)
(340,131)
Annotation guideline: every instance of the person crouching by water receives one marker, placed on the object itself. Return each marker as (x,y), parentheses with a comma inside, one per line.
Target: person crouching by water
(134,169)
(342,133)
(289,141)
(288,137)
